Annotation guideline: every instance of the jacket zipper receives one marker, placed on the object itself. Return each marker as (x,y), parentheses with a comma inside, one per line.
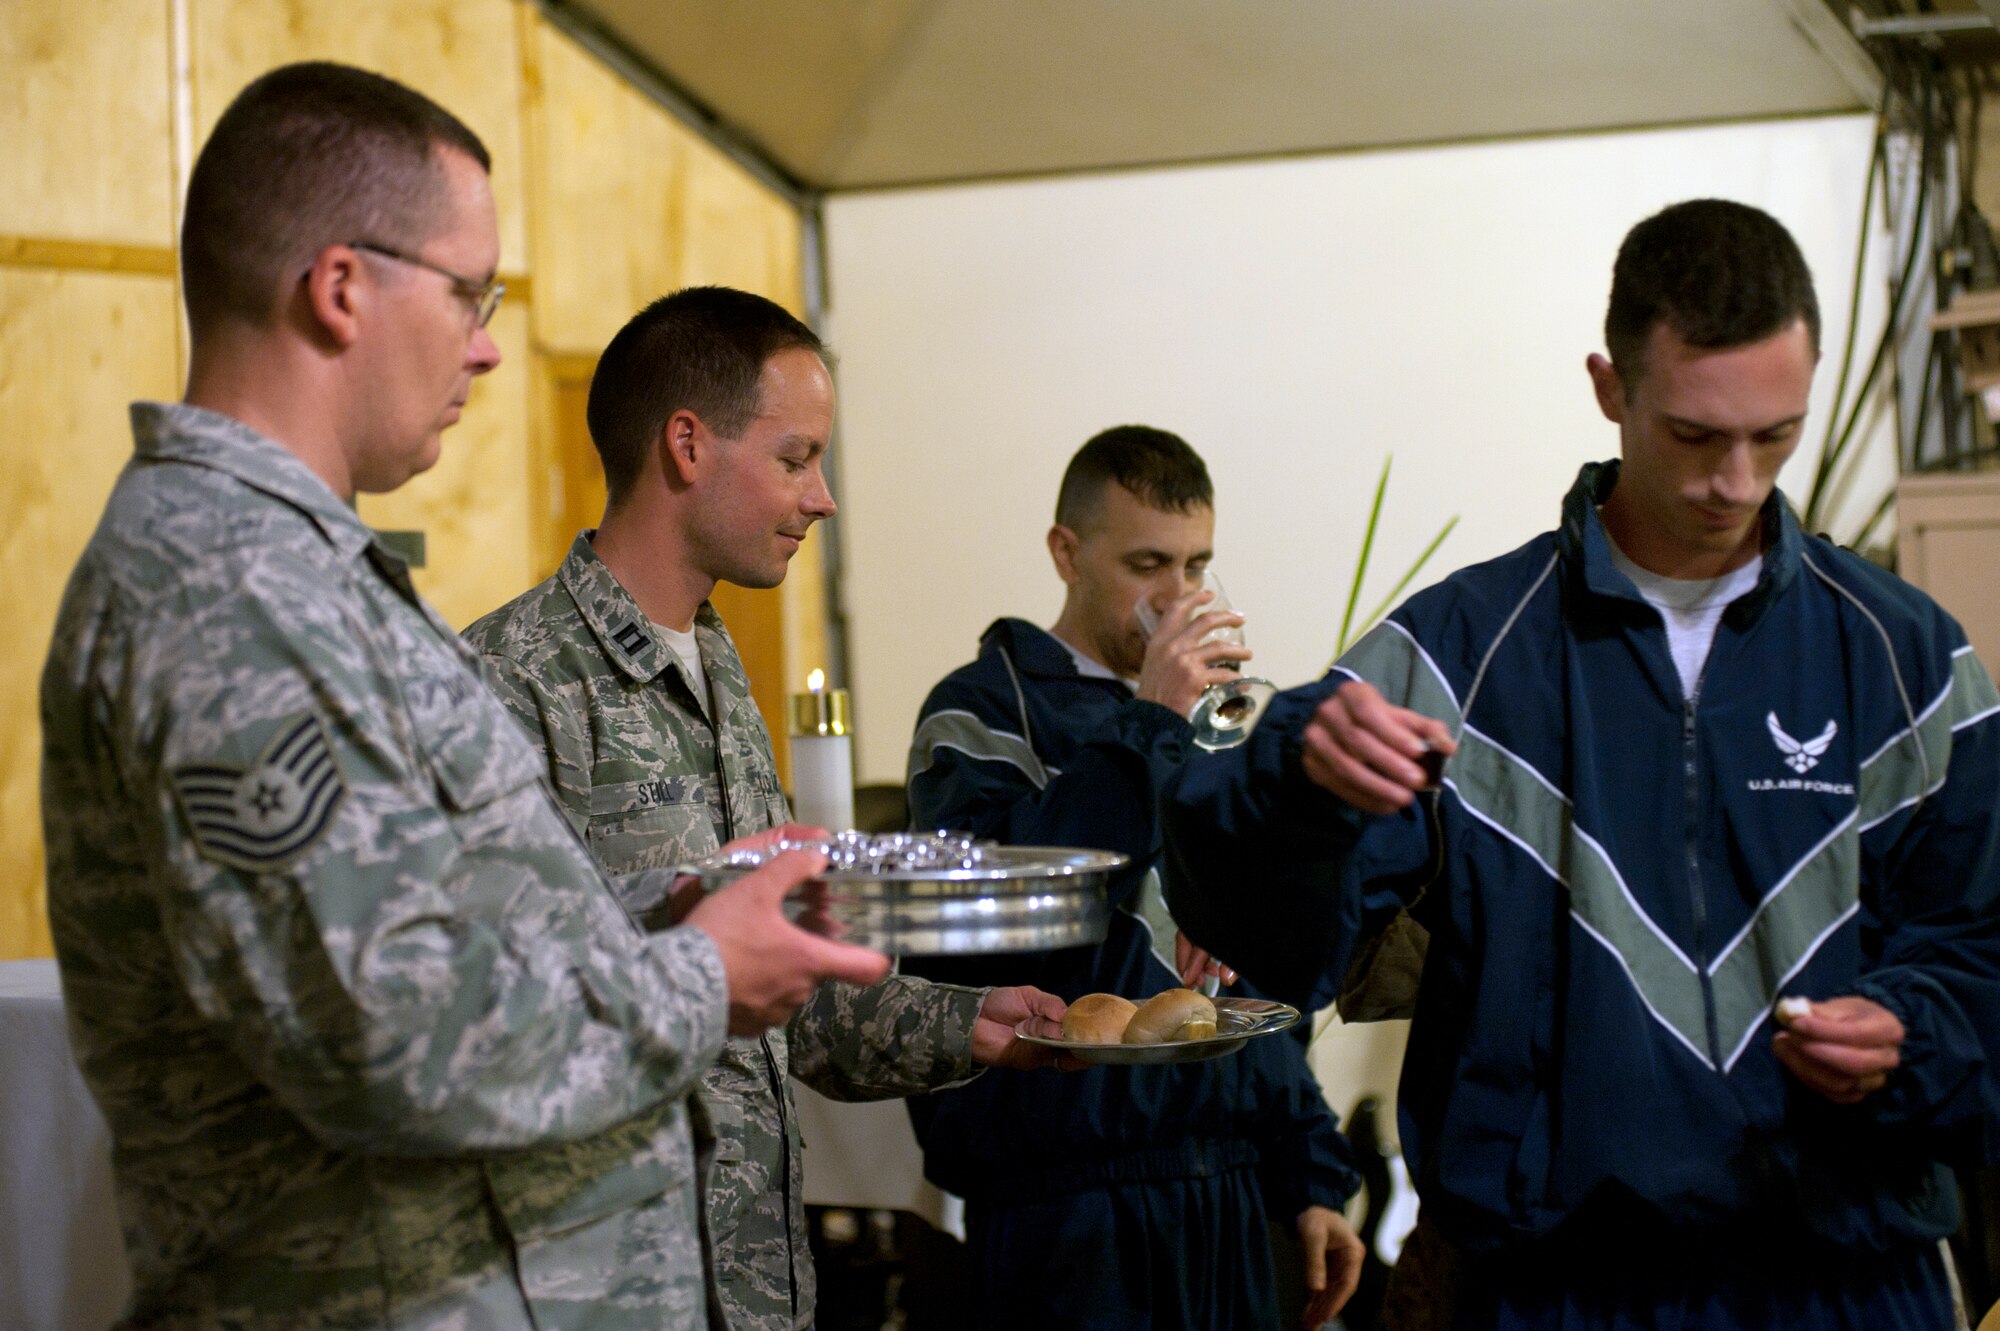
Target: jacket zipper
(1698,901)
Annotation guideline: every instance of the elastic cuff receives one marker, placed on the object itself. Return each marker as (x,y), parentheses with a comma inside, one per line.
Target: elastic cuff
(1299,797)
(964,1003)
(1334,1195)
(1916,1083)
(1300,1190)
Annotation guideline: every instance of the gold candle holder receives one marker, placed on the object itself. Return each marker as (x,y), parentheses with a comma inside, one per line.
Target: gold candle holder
(819,710)
(822,756)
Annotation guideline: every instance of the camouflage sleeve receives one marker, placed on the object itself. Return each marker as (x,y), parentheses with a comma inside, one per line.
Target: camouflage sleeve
(425,960)
(554,729)
(904,1036)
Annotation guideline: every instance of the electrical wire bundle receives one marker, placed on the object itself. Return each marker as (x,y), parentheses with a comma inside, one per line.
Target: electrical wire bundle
(1928,123)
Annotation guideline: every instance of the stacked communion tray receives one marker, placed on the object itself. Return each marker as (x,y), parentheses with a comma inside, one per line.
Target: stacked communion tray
(929,893)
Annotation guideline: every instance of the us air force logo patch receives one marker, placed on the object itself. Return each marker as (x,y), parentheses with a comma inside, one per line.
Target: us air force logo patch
(1800,755)
(261,818)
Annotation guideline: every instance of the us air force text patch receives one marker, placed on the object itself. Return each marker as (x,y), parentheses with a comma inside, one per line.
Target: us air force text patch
(263,817)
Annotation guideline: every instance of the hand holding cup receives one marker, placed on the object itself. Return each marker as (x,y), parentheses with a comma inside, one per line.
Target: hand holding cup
(1189,649)
(1371,752)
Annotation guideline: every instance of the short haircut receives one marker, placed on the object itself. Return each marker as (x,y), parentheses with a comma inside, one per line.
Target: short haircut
(310,155)
(1720,274)
(1155,467)
(701,349)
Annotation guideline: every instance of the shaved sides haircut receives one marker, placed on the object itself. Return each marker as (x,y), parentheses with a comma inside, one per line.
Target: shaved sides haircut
(1156,467)
(701,349)
(307,156)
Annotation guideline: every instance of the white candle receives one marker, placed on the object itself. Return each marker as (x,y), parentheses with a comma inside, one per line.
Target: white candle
(822,757)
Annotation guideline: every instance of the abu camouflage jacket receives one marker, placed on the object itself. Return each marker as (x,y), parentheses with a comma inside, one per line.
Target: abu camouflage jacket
(376,1043)
(651,783)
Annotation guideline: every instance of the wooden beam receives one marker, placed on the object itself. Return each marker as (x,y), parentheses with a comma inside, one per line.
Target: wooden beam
(91,256)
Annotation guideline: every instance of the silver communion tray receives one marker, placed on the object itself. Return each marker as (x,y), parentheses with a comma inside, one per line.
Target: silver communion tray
(925,894)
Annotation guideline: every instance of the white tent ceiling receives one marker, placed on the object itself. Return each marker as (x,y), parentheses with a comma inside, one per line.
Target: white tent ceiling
(853,94)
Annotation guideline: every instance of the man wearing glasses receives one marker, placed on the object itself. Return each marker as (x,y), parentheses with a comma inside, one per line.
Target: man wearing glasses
(376,1042)
(482,297)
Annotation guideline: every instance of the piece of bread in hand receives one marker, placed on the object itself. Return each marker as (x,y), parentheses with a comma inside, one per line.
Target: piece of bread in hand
(1176,1014)
(1097,1019)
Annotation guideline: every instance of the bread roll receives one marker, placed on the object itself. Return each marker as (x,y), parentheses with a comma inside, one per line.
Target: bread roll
(1176,1014)
(1097,1019)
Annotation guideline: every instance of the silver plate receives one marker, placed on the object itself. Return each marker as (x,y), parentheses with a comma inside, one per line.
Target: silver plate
(1015,899)
(1237,1022)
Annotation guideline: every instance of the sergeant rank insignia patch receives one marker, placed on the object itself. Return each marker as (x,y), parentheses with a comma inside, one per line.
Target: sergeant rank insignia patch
(261,818)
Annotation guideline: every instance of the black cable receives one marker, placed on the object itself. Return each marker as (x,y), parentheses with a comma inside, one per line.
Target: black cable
(1923,403)
(1878,167)
(1868,528)
(1829,458)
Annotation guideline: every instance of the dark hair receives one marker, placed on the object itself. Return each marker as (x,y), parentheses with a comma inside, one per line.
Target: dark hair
(310,155)
(1720,274)
(1157,468)
(702,349)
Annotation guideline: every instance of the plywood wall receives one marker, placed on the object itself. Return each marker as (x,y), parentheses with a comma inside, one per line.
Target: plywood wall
(465,54)
(610,168)
(605,202)
(75,348)
(89,153)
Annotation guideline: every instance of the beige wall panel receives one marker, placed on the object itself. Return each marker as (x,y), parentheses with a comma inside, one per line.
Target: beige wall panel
(570,493)
(75,348)
(608,167)
(462,53)
(739,234)
(474,507)
(85,121)
(806,648)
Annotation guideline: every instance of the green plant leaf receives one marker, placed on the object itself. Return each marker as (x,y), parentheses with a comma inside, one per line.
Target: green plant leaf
(1389,601)
(1349,630)
(1367,547)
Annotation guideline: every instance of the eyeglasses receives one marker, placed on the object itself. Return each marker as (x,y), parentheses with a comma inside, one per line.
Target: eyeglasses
(484,296)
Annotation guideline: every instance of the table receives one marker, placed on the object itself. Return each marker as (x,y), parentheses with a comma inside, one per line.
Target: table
(62,1261)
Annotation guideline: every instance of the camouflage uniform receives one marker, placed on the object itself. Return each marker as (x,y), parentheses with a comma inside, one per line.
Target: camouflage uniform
(651,783)
(377,1044)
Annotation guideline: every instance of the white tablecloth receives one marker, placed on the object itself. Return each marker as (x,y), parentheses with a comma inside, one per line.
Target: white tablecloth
(866,1156)
(62,1263)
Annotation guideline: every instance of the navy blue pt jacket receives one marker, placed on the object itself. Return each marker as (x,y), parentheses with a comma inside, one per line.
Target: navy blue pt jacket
(1627,879)
(1019,747)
